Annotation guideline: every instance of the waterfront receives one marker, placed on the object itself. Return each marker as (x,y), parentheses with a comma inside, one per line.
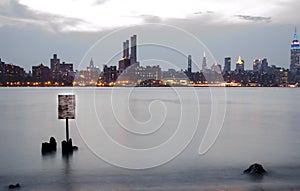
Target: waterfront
(260,125)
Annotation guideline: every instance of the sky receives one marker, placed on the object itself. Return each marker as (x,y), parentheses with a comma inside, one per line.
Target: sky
(78,30)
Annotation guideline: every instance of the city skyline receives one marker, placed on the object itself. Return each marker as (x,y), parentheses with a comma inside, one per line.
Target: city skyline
(226,65)
(129,72)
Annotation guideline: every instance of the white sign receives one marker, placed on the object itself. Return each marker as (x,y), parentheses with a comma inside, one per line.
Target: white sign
(66,106)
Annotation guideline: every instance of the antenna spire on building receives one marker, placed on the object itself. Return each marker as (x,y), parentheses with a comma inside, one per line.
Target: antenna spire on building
(295,34)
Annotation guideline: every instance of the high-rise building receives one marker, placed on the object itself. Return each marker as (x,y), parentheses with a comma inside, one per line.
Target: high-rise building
(54,66)
(264,66)
(133,52)
(239,65)
(295,53)
(60,71)
(204,64)
(189,69)
(227,65)
(126,49)
(257,65)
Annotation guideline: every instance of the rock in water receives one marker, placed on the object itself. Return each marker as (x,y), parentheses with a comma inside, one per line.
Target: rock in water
(12,186)
(255,169)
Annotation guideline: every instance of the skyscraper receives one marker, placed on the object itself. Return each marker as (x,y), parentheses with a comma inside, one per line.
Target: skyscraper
(264,66)
(239,65)
(54,66)
(295,53)
(227,65)
(204,64)
(133,52)
(189,70)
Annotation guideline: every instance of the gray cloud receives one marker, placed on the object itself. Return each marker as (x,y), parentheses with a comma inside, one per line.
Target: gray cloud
(254,18)
(151,18)
(99,2)
(13,13)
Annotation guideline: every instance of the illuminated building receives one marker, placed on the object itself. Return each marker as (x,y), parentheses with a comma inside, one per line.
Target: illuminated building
(239,65)
(227,65)
(10,73)
(61,71)
(54,66)
(257,65)
(88,77)
(110,75)
(41,73)
(295,54)
(65,68)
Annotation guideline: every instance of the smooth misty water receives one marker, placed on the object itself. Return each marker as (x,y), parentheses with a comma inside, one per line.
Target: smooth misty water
(260,125)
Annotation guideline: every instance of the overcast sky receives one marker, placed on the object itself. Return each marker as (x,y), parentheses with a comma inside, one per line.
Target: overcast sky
(32,30)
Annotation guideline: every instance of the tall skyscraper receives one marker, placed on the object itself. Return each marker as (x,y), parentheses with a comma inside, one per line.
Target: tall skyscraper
(295,53)
(227,65)
(133,52)
(239,65)
(189,70)
(264,66)
(204,64)
(257,65)
(54,66)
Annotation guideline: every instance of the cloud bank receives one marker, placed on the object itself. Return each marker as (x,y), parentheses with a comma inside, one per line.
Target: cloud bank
(98,15)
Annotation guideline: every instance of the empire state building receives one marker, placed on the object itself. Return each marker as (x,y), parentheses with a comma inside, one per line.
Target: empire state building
(295,53)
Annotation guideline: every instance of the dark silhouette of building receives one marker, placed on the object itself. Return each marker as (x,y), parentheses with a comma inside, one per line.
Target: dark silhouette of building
(257,65)
(65,68)
(133,52)
(110,75)
(11,73)
(54,66)
(41,73)
(227,65)
(61,72)
(127,59)
(189,69)
(264,66)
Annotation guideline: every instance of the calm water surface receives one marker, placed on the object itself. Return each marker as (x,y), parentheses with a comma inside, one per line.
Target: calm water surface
(259,125)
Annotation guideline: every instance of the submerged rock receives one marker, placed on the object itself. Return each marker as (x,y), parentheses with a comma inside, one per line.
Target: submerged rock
(255,169)
(12,186)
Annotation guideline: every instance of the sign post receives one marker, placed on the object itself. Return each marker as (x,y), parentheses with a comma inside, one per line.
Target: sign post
(66,110)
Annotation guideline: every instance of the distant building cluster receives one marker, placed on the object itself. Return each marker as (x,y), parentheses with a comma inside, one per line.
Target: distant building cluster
(129,72)
(10,74)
